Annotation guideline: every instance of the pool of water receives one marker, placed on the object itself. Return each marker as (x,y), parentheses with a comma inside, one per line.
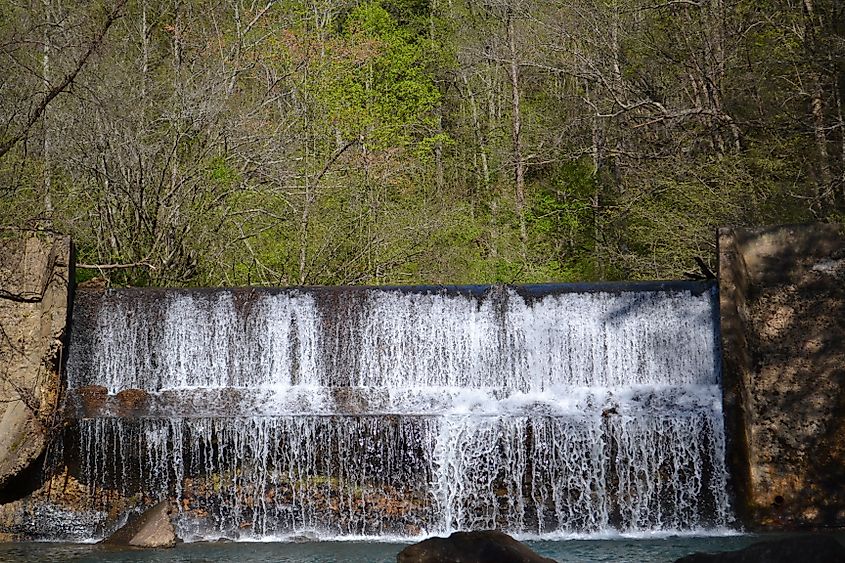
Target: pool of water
(618,550)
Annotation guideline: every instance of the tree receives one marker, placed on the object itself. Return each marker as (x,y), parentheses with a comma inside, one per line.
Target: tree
(416,141)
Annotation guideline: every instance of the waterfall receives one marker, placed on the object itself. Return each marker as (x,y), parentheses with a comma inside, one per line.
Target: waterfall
(346,412)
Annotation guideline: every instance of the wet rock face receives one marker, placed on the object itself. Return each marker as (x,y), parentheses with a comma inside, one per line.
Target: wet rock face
(89,401)
(132,402)
(782,292)
(807,549)
(488,546)
(151,529)
(35,269)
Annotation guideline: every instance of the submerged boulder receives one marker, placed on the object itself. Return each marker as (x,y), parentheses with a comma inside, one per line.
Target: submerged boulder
(488,546)
(807,549)
(151,528)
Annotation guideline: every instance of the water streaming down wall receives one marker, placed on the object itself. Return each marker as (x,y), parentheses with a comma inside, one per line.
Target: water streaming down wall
(350,411)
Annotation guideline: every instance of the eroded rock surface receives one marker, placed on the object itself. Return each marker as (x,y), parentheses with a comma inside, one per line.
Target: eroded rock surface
(35,269)
(782,295)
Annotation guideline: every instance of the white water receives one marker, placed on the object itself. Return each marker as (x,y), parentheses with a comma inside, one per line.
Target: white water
(397,340)
(389,413)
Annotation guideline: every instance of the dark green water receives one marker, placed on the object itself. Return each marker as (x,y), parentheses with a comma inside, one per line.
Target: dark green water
(621,550)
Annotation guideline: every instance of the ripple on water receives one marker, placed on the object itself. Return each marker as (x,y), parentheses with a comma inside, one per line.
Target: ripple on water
(617,550)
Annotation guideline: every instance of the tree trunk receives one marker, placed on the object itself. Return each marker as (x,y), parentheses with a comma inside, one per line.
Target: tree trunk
(480,139)
(48,202)
(841,125)
(817,103)
(516,134)
(817,107)
(439,177)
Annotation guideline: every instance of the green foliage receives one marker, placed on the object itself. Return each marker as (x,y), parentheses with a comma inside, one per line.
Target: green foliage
(373,141)
(219,172)
(561,220)
(387,96)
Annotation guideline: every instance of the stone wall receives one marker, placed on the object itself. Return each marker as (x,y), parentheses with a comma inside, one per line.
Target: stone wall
(782,301)
(35,270)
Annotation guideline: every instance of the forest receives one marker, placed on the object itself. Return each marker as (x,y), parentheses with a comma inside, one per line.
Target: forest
(324,142)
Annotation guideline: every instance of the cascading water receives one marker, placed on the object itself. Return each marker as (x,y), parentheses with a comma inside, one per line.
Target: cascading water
(404,411)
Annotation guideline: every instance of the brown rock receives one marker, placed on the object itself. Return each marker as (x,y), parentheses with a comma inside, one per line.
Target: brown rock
(782,302)
(131,402)
(91,400)
(34,273)
(487,546)
(150,529)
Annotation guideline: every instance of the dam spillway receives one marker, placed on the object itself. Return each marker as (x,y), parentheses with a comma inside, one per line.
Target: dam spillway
(348,412)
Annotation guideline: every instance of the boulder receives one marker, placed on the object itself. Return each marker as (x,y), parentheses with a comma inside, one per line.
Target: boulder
(807,549)
(488,546)
(152,528)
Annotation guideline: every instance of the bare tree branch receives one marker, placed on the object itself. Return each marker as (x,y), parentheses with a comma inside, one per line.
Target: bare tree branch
(65,83)
(143,263)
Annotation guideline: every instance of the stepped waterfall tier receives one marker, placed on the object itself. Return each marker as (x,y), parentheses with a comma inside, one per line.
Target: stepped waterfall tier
(346,412)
